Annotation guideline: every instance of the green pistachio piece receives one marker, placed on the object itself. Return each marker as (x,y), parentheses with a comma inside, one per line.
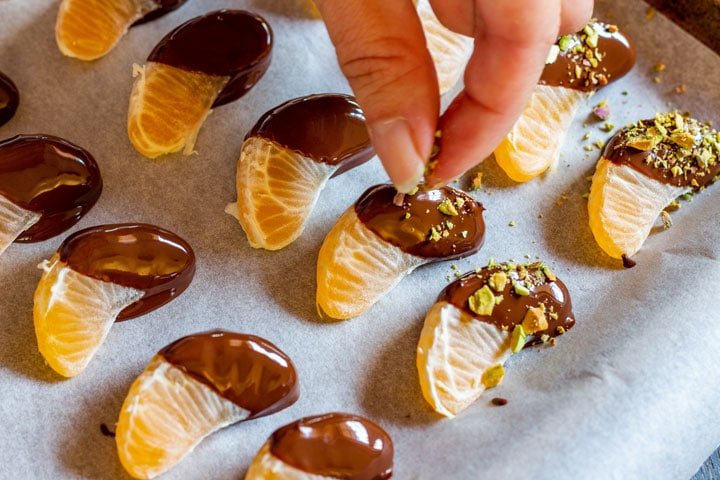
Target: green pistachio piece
(482,301)
(497,281)
(565,43)
(552,55)
(520,289)
(447,207)
(493,376)
(517,339)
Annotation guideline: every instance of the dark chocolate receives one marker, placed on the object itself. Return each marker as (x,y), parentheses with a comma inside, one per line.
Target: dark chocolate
(666,160)
(579,66)
(163,7)
(228,43)
(336,445)
(553,294)
(135,255)
(49,176)
(9,99)
(247,370)
(329,128)
(419,227)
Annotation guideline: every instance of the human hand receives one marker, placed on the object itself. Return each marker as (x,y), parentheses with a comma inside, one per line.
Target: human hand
(381,49)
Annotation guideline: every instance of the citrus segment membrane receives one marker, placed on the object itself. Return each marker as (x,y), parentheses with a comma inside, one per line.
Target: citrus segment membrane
(73,314)
(14,220)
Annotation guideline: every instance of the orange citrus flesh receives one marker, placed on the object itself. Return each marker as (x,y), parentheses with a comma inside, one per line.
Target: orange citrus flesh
(356,267)
(623,206)
(13,221)
(453,352)
(73,314)
(266,466)
(88,29)
(168,105)
(277,190)
(450,51)
(533,145)
(165,414)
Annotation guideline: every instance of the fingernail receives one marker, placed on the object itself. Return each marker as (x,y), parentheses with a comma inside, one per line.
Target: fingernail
(395,145)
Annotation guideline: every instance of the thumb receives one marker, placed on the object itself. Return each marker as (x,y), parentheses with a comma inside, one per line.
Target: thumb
(381,50)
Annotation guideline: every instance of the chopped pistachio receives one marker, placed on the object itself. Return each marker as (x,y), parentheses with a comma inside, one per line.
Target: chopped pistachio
(586,136)
(565,43)
(609,126)
(407,215)
(552,55)
(659,67)
(511,223)
(534,321)
(549,274)
(449,225)
(497,281)
(493,376)
(499,299)
(544,337)
(520,289)
(683,139)
(464,234)
(447,207)
(517,339)
(459,202)
(482,301)
(434,235)
(666,219)
(413,191)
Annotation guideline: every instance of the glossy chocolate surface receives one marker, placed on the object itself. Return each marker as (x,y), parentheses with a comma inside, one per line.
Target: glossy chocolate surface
(511,310)
(573,68)
(329,128)
(9,99)
(228,43)
(658,162)
(418,227)
(135,255)
(336,445)
(247,370)
(50,176)
(163,7)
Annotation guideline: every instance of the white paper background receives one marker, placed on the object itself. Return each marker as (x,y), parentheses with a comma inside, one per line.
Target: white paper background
(630,392)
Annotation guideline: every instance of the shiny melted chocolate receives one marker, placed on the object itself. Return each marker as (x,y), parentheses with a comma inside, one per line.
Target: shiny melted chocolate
(162,7)
(135,255)
(227,43)
(329,128)
(418,227)
(336,445)
(613,57)
(9,99)
(658,162)
(247,370)
(511,310)
(49,176)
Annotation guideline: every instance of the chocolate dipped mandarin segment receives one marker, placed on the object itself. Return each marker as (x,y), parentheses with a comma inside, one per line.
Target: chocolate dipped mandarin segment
(139,256)
(643,169)
(89,29)
(51,177)
(204,63)
(441,224)
(287,158)
(194,387)
(235,44)
(478,321)
(328,128)
(9,99)
(384,236)
(334,445)
(577,66)
(590,59)
(247,370)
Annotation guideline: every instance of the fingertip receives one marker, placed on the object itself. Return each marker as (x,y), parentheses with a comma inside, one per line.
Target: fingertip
(397,147)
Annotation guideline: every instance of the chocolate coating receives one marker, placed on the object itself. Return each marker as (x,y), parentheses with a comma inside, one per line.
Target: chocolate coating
(329,128)
(617,57)
(511,310)
(247,370)
(135,255)
(410,226)
(163,7)
(336,445)
(658,163)
(9,99)
(228,43)
(50,176)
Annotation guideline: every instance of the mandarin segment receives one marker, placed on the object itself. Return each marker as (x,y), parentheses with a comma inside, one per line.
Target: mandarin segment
(73,313)
(168,105)
(356,268)
(453,352)
(277,190)
(165,415)
(13,221)
(623,206)
(534,143)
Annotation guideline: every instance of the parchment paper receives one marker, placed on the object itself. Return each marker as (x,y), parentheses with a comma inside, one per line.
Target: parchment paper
(630,392)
